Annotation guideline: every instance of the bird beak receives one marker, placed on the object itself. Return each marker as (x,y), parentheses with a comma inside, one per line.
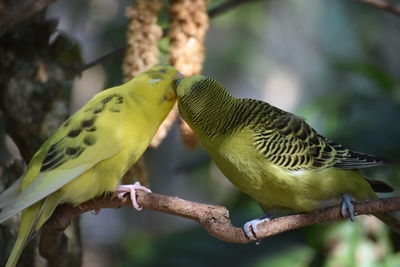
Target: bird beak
(178,76)
(177,79)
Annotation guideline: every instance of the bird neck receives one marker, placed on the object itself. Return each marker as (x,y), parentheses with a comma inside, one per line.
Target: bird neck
(208,110)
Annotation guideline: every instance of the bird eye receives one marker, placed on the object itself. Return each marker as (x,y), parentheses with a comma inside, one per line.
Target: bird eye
(163,71)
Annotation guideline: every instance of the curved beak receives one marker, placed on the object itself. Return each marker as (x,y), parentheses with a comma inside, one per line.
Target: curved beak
(171,92)
(177,78)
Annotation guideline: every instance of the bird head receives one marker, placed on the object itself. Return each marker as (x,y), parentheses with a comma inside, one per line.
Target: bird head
(158,84)
(185,85)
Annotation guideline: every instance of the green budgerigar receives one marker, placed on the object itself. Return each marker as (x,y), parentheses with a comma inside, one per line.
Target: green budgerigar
(274,156)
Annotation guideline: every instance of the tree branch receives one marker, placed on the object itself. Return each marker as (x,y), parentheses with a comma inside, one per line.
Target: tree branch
(389,7)
(214,219)
(77,70)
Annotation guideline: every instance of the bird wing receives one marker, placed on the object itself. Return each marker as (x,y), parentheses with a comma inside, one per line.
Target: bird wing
(90,136)
(10,193)
(289,142)
(355,160)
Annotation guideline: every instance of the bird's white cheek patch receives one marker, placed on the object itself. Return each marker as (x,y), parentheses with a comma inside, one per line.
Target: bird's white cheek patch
(154,80)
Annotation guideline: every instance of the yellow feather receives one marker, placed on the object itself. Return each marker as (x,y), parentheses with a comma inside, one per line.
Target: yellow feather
(91,151)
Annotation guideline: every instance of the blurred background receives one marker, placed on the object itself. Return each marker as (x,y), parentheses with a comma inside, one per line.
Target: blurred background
(334,62)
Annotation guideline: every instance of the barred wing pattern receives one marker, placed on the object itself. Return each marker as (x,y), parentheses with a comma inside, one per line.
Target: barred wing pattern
(289,142)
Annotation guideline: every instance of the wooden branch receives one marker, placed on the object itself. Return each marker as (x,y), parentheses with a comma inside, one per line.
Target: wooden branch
(16,11)
(389,7)
(214,219)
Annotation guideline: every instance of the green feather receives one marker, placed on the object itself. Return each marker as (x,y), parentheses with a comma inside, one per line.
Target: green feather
(270,154)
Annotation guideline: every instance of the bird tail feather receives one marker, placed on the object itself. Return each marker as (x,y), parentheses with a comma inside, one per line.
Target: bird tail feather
(28,220)
(32,219)
(10,193)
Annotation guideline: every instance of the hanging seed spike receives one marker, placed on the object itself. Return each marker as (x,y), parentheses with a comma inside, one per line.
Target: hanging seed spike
(188,27)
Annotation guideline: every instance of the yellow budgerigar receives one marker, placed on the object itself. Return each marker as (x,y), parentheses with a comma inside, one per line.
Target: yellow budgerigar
(274,156)
(91,151)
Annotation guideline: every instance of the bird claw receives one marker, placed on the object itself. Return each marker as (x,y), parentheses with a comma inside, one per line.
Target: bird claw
(250,228)
(129,188)
(347,207)
(96,212)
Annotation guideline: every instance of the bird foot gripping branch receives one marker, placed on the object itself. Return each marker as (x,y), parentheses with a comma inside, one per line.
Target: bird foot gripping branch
(122,190)
(347,207)
(250,228)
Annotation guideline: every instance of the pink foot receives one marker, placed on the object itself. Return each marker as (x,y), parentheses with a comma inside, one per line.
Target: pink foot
(131,188)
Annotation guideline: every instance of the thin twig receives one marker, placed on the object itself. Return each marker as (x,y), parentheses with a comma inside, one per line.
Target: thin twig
(119,52)
(389,7)
(228,5)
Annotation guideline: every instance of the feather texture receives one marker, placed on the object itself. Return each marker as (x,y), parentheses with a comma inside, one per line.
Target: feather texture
(90,152)
(270,154)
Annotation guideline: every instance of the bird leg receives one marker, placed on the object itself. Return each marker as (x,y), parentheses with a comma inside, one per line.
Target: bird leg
(131,188)
(250,228)
(347,207)
(95,212)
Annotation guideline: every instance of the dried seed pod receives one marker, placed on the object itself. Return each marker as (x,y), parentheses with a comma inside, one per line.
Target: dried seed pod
(142,37)
(188,28)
